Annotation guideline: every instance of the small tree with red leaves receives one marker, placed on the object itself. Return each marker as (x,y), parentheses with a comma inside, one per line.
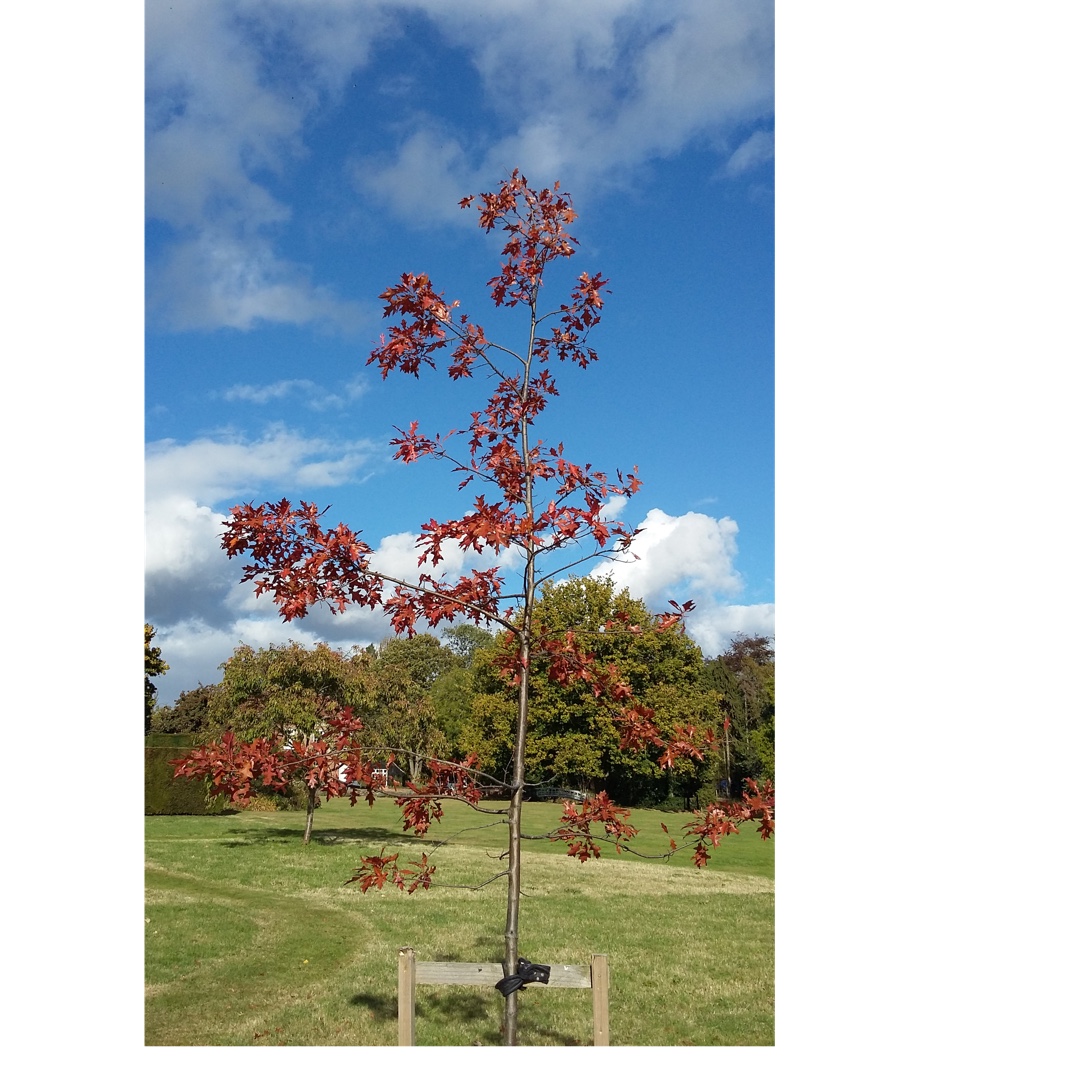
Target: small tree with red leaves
(539,513)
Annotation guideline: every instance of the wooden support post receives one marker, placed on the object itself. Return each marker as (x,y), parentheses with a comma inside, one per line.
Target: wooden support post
(413,973)
(406,997)
(600,1026)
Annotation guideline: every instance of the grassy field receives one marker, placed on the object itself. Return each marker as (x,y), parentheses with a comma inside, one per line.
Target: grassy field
(252,939)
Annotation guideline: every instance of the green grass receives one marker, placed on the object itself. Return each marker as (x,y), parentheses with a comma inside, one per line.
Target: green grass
(252,939)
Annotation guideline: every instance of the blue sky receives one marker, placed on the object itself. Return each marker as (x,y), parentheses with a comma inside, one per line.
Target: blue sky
(300,157)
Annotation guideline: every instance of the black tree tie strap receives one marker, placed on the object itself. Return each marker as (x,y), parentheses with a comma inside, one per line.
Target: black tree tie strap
(526,973)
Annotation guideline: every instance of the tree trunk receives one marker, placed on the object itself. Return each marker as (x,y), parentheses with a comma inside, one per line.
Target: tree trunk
(513,893)
(310,813)
(513,888)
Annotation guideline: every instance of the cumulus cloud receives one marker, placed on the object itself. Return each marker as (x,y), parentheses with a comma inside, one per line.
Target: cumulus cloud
(188,486)
(202,612)
(693,551)
(691,557)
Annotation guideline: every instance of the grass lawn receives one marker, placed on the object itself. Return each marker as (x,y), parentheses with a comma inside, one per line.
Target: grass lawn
(252,939)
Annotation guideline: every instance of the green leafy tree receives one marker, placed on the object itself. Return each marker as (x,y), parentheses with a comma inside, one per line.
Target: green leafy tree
(422,656)
(153,664)
(575,736)
(452,693)
(405,720)
(190,714)
(745,675)
(466,640)
(290,694)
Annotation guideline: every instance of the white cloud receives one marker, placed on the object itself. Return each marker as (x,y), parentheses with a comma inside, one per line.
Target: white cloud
(712,625)
(187,488)
(213,469)
(614,507)
(313,396)
(220,113)
(694,552)
(589,94)
(756,150)
(585,93)
(396,555)
(179,533)
(691,557)
(260,395)
(423,180)
(216,279)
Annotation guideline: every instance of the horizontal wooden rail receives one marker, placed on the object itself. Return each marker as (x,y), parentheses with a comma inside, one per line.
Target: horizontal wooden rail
(413,973)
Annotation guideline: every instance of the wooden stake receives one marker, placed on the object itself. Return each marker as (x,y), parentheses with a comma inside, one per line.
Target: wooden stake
(600,1022)
(406,997)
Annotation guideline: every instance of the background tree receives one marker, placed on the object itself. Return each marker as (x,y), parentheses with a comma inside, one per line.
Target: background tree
(453,691)
(465,640)
(290,696)
(745,675)
(285,690)
(404,719)
(189,715)
(539,514)
(152,665)
(423,657)
(574,737)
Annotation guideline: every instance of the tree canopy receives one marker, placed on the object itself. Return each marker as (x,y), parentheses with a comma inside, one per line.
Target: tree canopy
(289,689)
(574,736)
(189,715)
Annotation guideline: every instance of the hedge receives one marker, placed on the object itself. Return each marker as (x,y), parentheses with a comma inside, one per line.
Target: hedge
(168,795)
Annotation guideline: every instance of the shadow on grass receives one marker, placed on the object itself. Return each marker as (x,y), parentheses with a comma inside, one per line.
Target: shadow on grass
(473,1006)
(292,834)
(381,1006)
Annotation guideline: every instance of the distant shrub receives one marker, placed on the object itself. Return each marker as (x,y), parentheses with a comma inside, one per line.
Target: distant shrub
(294,798)
(262,802)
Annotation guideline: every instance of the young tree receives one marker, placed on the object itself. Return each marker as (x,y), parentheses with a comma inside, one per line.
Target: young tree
(539,513)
